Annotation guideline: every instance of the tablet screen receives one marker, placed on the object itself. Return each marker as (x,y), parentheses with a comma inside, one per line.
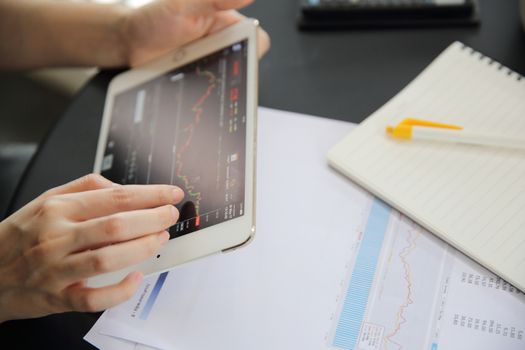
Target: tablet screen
(187,128)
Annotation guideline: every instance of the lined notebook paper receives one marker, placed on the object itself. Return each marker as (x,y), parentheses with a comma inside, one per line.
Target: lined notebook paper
(473,197)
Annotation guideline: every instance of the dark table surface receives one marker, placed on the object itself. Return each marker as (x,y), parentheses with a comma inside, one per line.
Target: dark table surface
(342,75)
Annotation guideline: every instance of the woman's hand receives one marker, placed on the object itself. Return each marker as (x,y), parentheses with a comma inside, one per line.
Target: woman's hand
(87,227)
(163,25)
(47,33)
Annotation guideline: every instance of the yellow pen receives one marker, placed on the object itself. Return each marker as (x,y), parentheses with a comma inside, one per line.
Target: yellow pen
(417,129)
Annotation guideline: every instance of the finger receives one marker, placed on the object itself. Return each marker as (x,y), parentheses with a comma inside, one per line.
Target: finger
(110,258)
(197,7)
(85,183)
(227,18)
(93,204)
(98,299)
(119,227)
(263,42)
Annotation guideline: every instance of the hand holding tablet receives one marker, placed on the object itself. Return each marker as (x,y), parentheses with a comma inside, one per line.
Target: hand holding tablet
(155,29)
(189,119)
(72,232)
(68,235)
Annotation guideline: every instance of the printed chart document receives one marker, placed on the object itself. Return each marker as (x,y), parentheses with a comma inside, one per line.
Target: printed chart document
(331,267)
(471,196)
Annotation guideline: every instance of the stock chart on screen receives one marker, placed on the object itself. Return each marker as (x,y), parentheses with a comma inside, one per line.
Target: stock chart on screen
(186,127)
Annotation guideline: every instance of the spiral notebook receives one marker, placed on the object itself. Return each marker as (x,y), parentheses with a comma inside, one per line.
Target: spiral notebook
(473,197)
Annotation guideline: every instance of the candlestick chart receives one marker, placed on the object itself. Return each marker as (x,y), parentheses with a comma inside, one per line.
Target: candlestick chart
(186,128)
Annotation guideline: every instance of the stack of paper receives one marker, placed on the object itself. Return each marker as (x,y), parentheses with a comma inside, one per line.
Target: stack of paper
(330,267)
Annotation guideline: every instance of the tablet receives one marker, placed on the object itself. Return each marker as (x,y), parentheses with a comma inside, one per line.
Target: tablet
(189,119)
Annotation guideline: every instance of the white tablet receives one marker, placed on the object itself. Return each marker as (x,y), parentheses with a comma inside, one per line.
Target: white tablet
(189,119)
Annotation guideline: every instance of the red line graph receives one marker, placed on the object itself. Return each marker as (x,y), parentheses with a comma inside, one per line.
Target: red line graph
(197,109)
(407,276)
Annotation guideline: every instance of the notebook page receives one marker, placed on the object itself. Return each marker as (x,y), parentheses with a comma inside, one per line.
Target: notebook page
(473,197)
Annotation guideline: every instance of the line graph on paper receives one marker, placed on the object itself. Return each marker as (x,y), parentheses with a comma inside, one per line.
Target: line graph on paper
(388,293)
(406,289)
(401,320)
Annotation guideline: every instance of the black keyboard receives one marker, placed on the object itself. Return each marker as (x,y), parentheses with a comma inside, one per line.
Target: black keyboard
(386,13)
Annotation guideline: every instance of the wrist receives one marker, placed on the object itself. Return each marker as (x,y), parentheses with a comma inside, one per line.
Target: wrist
(90,34)
(123,36)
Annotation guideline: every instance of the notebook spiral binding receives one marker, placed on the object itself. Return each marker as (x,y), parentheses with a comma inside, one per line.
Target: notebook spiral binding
(481,57)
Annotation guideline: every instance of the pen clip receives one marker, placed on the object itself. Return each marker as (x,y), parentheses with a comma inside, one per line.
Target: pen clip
(403,130)
(428,123)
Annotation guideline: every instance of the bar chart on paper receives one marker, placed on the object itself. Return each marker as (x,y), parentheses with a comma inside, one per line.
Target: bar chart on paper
(405,289)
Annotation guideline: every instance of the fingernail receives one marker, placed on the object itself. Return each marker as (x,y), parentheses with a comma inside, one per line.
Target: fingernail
(163,238)
(178,194)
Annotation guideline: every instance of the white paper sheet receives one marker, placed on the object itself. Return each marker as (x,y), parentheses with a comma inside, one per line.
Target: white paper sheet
(325,253)
(292,259)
